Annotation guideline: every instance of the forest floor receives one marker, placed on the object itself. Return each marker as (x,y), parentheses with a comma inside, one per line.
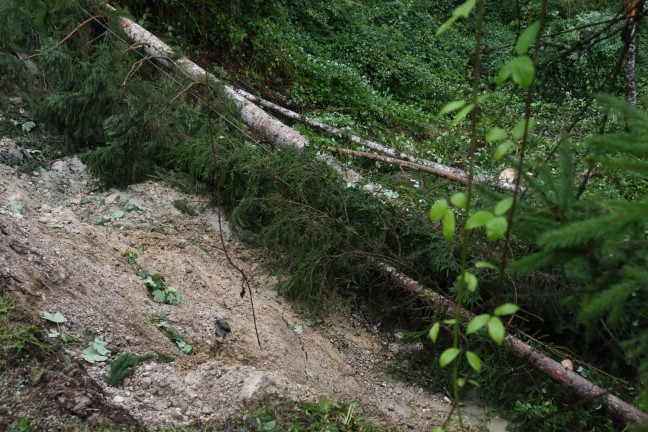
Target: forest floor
(62,250)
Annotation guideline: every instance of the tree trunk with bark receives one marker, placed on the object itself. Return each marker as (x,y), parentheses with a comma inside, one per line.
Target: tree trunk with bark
(548,366)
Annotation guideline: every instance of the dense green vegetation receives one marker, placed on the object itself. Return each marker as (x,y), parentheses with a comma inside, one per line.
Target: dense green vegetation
(578,247)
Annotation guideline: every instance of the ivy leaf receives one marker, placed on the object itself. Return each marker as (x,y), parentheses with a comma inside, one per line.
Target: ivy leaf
(485,264)
(496,330)
(449,224)
(496,134)
(496,228)
(518,129)
(459,200)
(474,361)
(438,209)
(471,281)
(57,318)
(452,106)
(477,323)
(433,334)
(478,219)
(448,356)
(527,38)
(502,149)
(503,206)
(506,309)
(462,114)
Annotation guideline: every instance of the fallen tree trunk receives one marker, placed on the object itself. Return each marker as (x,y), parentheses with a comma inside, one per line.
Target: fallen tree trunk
(400,162)
(548,366)
(253,116)
(279,133)
(258,120)
(435,168)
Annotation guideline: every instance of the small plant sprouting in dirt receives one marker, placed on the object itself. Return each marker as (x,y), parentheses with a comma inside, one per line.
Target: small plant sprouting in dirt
(96,352)
(15,335)
(157,286)
(126,364)
(309,416)
(57,319)
(123,366)
(185,207)
(178,338)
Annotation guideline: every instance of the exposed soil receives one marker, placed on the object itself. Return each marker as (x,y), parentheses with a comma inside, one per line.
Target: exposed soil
(63,251)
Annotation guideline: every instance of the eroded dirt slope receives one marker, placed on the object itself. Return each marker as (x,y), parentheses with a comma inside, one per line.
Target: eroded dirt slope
(63,251)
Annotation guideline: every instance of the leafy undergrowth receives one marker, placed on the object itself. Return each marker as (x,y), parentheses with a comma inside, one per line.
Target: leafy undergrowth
(43,389)
(323,415)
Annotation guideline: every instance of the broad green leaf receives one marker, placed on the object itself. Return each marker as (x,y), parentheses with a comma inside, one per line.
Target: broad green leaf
(474,361)
(485,264)
(471,281)
(506,309)
(118,214)
(299,329)
(478,219)
(503,206)
(445,26)
(158,296)
(496,330)
(520,69)
(449,224)
(448,356)
(464,9)
(496,228)
(477,323)
(450,321)
(518,130)
(53,333)
(91,356)
(523,71)
(461,382)
(459,200)
(462,114)
(57,318)
(438,209)
(433,334)
(502,149)
(100,346)
(496,134)
(452,106)
(527,38)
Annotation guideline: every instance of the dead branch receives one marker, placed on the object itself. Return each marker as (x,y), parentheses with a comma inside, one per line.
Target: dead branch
(401,163)
(435,168)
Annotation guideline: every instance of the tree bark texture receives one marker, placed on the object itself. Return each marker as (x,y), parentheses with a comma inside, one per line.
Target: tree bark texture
(434,168)
(548,366)
(631,35)
(258,120)
(253,116)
